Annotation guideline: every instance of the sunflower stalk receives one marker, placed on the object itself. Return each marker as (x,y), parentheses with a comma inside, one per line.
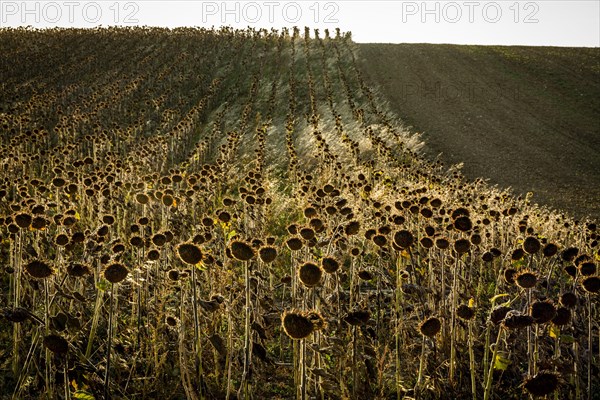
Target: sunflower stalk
(421,366)
(453,322)
(197,342)
(490,374)
(113,288)
(95,320)
(590,348)
(247,335)
(472,363)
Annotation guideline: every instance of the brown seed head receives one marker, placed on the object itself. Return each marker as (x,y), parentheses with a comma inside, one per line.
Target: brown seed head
(357,317)
(56,344)
(403,239)
(294,243)
(587,268)
(310,274)
(23,220)
(159,239)
(352,228)
(173,275)
(153,255)
(509,275)
(549,250)
(462,246)
(430,327)
(330,265)
(569,254)
(115,273)
(442,243)
(542,384)
(299,325)
(498,314)
(307,233)
(562,317)
(542,311)
(39,269)
(426,242)
(568,299)
(142,198)
(241,250)
(365,275)
(516,320)
(591,284)
(380,240)
(526,279)
(78,270)
(267,254)
(463,224)
(61,240)
(189,253)
(531,245)
(465,312)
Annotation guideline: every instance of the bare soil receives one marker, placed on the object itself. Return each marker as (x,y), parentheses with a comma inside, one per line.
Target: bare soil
(524,117)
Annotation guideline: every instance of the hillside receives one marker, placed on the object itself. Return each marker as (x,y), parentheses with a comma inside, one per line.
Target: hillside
(524,117)
(237,214)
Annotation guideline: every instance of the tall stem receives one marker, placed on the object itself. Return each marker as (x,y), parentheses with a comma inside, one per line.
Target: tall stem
(49,387)
(303,369)
(397,330)
(590,349)
(98,306)
(421,362)
(109,343)
(472,362)
(530,356)
(16,287)
(486,351)
(197,343)
(354,361)
(453,323)
(247,334)
(490,374)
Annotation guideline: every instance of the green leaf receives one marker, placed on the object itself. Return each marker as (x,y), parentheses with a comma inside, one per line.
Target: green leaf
(102,285)
(498,296)
(201,266)
(83,395)
(500,362)
(231,234)
(567,339)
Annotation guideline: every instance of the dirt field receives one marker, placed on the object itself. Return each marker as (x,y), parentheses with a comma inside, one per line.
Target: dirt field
(524,117)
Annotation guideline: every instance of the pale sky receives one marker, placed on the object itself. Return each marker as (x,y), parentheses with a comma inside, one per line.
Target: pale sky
(505,22)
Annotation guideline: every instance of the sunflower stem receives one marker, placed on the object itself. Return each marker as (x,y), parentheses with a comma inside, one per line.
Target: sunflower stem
(95,319)
(197,343)
(472,364)
(590,349)
(490,374)
(421,364)
(109,341)
(303,369)
(247,335)
(453,323)
(49,387)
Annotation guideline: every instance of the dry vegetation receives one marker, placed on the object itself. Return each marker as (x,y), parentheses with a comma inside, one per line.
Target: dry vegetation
(221,214)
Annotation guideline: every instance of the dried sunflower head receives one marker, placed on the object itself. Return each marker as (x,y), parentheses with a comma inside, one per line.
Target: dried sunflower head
(189,253)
